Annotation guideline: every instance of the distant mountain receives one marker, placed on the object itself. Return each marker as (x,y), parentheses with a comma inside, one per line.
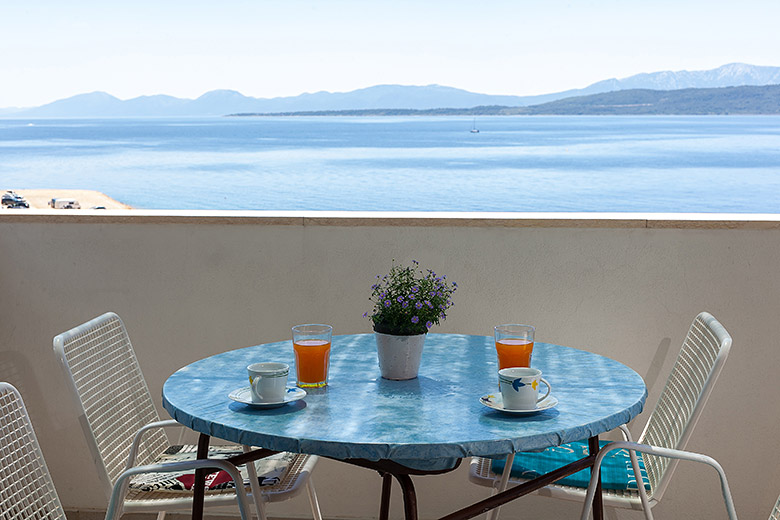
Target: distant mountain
(731,75)
(384,97)
(221,102)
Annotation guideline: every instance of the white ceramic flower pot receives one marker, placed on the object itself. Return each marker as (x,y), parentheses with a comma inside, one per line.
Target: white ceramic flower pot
(399,356)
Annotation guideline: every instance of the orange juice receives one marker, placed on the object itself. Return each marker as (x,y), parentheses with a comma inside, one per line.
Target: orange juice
(311,361)
(514,352)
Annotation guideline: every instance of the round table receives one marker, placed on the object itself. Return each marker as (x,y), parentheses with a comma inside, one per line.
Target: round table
(400,428)
(426,424)
(436,416)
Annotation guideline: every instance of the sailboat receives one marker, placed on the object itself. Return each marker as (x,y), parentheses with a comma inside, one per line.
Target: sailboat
(474,129)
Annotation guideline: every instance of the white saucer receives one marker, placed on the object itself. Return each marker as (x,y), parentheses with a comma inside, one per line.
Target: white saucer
(244,395)
(496,402)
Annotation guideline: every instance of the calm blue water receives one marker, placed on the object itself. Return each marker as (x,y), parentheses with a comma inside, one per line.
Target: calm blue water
(655,164)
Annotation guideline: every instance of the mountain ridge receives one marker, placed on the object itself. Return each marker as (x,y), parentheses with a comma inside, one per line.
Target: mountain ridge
(381,97)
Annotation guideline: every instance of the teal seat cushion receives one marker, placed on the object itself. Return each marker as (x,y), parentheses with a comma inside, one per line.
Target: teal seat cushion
(616,472)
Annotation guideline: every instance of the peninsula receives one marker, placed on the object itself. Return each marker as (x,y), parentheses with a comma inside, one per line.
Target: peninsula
(744,100)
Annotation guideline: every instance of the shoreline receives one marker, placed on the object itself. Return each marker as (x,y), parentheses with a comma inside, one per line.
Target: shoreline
(87,199)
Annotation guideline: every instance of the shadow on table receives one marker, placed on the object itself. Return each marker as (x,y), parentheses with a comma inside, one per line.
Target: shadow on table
(495,415)
(288,408)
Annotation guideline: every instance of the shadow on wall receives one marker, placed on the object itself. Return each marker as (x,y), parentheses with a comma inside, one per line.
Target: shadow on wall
(15,368)
(657,364)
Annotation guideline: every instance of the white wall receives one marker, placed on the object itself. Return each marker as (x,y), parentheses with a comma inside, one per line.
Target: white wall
(189,287)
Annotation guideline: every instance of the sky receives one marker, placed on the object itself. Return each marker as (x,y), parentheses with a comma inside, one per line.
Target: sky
(51,49)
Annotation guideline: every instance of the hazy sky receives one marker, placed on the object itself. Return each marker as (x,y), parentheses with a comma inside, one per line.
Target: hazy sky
(267,48)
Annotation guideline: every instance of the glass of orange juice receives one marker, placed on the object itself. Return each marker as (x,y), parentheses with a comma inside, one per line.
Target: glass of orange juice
(311,343)
(514,345)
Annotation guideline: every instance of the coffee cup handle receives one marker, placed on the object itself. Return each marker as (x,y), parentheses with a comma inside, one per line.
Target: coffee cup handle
(255,390)
(549,389)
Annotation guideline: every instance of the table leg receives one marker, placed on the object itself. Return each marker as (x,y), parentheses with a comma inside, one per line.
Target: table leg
(384,506)
(598,504)
(407,489)
(410,497)
(199,487)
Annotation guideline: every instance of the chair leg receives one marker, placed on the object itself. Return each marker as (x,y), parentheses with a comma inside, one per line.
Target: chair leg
(503,484)
(254,485)
(315,505)
(661,452)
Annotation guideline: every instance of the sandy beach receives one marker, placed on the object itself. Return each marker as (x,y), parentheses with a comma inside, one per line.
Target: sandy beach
(39,199)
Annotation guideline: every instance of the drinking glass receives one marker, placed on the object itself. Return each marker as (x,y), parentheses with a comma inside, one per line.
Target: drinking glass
(514,345)
(311,343)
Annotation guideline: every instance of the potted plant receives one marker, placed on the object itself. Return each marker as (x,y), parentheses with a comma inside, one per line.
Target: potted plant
(407,303)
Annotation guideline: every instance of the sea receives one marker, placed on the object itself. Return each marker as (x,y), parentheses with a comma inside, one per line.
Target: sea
(514,163)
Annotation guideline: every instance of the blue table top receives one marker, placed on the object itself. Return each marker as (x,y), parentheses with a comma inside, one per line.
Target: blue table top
(425,423)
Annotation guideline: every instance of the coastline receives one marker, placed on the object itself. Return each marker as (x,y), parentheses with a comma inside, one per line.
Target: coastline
(39,199)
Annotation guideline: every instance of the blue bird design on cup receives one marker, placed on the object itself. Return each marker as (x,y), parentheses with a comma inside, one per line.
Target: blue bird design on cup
(517,384)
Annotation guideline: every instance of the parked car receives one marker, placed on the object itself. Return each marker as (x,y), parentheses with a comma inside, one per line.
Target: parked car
(63,203)
(12,199)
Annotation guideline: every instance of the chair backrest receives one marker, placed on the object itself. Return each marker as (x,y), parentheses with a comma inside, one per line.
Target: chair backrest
(111,394)
(698,365)
(776,511)
(27,490)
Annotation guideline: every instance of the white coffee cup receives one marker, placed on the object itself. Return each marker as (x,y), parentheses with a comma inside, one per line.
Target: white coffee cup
(520,387)
(268,381)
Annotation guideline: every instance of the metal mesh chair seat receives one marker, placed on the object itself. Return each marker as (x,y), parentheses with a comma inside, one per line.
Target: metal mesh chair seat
(480,473)
(122,426)
(698,365)
(289,485)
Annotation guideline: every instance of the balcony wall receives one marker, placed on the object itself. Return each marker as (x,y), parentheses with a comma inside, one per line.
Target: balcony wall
(191,285)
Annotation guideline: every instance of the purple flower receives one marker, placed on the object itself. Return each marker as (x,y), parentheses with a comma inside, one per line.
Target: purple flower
(415,289)
(455,285)
(428,324)
(415,319)
(418,305)
(411,296)
(429,304)
(399,299)
(365,314)
(388,303)
(432,294)
(405,304)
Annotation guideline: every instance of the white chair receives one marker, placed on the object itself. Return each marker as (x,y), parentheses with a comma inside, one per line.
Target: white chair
(776,511)
(656,452)
(27,491)
(123,429)
(679,407)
